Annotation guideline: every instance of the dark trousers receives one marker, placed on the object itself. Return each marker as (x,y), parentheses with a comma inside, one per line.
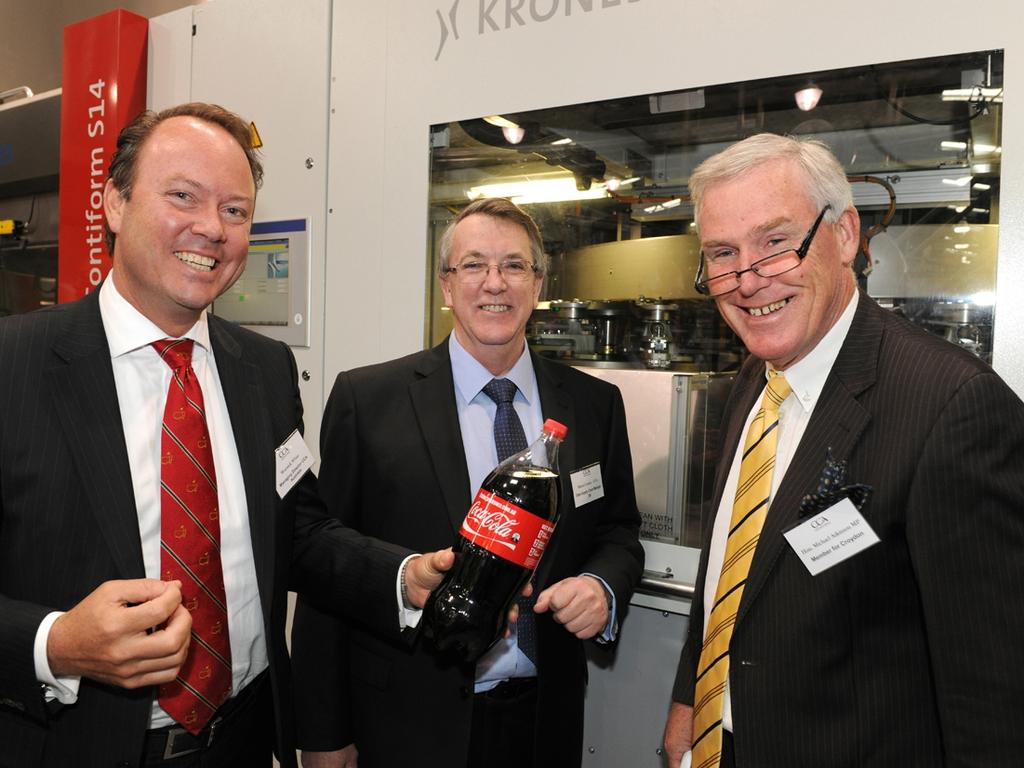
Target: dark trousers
(502,735)
(243,734)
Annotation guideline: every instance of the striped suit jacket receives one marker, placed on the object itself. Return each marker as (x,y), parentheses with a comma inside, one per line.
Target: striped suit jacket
(68,523)
(910,653)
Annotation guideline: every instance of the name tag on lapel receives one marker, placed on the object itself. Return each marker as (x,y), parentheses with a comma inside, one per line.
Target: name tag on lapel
(831,536)
(587,484)
(293,459)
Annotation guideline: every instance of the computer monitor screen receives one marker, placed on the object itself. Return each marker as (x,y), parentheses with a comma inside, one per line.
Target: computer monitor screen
(271,295)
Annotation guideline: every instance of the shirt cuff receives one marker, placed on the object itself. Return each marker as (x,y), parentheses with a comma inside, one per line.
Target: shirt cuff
(408,617)
(611,629)
(63,689)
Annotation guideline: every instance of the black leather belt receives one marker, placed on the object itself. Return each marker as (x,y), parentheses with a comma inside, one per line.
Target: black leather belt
(512,688)
(173,741)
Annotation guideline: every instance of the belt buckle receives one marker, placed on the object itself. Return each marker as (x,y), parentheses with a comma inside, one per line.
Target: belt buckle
(172,736)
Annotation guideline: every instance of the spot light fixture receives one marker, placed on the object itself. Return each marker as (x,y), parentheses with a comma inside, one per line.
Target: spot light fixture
(808,98)
(513,133)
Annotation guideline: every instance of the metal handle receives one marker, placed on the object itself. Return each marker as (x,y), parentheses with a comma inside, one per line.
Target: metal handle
(24,90)
(652,583)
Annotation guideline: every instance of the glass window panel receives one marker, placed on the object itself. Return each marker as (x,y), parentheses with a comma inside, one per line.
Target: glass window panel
(606,181)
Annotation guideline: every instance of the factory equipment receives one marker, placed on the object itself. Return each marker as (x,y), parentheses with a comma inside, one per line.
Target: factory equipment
(29,155)
(607,183)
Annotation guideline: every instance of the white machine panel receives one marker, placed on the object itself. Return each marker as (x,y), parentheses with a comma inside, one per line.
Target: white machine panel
(269,62)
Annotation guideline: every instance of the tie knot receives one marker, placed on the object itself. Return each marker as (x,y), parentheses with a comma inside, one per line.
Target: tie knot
(778,389)
(500,390)
(177,353)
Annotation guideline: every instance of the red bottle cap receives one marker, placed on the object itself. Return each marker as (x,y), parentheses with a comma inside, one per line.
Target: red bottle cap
(556,429)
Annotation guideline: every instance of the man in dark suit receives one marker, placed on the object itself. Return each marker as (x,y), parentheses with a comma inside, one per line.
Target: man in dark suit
(91,652)
(843,652)
(405,445)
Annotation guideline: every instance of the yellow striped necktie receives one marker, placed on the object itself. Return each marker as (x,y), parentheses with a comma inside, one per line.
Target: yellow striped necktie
(753,493)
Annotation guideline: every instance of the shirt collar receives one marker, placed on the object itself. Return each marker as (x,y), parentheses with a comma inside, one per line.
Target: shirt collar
(807,377)
(127,329)
(471,377)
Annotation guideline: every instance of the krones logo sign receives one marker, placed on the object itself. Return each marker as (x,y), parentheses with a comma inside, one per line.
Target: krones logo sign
(488,16)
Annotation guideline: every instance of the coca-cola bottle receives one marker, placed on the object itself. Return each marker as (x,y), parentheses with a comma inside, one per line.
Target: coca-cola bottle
(499,545)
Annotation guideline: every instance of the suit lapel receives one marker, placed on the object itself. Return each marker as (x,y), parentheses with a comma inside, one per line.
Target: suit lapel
(433,400)
(250,424)
(85,401)
(837,423)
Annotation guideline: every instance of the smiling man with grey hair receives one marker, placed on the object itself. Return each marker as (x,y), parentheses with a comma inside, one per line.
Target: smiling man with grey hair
(856,600)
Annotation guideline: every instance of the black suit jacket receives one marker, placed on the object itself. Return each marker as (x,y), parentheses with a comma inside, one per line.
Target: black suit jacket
(393,466)
(910,653)
(68,523)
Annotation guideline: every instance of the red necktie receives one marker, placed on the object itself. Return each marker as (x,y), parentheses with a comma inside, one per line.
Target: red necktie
(190,543)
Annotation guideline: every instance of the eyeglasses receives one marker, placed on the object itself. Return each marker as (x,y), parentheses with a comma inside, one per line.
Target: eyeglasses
(770,266)
(474,272)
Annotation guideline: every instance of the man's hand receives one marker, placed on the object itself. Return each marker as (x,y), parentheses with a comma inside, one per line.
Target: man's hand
(341,758)
(106,637)
(579,603)
(678,733)
(424,572)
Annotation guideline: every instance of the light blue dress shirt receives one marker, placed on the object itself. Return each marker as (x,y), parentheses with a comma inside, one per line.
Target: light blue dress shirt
(476,420)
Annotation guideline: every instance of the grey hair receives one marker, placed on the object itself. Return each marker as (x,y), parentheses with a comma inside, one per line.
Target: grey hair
(826,178)
(499,208)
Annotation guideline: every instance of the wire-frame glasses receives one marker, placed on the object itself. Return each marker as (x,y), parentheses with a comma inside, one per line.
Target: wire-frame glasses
(770,266)
(475,271)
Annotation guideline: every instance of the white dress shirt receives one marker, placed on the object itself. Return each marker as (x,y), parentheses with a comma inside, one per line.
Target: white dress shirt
(142,379)
(807,379)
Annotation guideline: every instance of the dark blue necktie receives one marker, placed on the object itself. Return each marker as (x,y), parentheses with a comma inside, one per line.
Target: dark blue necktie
(509,439)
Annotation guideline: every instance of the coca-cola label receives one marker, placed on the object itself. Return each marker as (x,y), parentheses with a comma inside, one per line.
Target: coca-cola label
(506,530)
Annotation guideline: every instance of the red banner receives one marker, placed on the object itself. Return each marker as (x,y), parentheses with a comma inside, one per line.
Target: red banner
(103,89)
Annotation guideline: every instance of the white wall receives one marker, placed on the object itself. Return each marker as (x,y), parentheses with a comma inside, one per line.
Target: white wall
(387,88)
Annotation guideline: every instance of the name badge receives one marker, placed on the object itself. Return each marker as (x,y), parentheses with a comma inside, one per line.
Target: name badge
(587,484)
(293,459)
(831,536)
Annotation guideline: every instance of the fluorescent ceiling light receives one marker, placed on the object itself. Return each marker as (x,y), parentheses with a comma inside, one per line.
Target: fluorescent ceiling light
(545,190)
(556,142)
(963,181)
(958,145)
(962,246)
(983,187)
(613,183)
(963,229)
(658,208)
(499,121)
